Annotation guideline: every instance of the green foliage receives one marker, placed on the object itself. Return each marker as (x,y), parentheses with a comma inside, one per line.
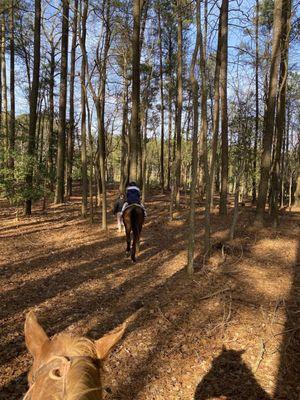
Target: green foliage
(13,185)
(266,15)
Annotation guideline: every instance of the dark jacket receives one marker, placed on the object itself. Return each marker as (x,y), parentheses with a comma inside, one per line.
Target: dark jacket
(118,205)
(133,195)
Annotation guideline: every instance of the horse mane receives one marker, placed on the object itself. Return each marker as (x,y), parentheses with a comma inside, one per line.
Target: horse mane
(83,379)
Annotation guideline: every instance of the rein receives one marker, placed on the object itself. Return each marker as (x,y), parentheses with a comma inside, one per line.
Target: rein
(57,373)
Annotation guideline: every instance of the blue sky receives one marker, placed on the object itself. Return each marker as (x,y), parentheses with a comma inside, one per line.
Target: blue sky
(237,24)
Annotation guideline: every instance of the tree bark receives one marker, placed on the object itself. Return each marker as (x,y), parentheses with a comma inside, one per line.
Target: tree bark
(204,130)
(84,202)
(170,53)
(135,126)
(12,122)
(216,113)
(50,165)
(71,128)
(162,110)
(270,113)
(124,134)
(297,191)
(256,104)
(33,99)
(281,109)
(179,105)
(100,109)
(61,145)
(4,90)
(195,93)
(224,116)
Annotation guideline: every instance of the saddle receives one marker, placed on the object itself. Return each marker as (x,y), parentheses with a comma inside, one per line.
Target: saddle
(133,205)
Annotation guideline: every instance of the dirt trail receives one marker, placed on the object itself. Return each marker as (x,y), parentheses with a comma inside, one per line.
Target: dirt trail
(232,332)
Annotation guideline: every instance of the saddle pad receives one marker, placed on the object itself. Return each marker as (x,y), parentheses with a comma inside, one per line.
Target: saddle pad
(132,205)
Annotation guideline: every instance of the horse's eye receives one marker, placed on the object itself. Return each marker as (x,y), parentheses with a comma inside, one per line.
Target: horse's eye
(55,373)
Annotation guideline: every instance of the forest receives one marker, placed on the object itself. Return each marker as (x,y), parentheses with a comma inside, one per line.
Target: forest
(195,105)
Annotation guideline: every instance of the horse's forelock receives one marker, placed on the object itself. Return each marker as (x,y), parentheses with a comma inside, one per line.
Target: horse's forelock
(83,377)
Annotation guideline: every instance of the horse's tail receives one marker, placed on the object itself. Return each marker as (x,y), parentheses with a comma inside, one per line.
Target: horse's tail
(135,225)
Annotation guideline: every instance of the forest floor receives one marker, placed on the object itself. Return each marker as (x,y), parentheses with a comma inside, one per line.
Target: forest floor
(230,332)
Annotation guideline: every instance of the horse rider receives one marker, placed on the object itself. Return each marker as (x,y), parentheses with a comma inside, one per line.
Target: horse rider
(117,210)
(133,196)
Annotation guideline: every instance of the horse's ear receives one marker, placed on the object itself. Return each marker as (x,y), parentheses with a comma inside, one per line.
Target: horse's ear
(35,336)
(107,342)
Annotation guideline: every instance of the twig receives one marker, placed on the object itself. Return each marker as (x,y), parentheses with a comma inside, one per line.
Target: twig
(24,237)
(262,352)
(240,257)
(287,330)
(224,255)
(212,294)
(162,314)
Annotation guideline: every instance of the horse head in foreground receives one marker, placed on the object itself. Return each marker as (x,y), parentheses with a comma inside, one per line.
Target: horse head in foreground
(133,218)
(65,367)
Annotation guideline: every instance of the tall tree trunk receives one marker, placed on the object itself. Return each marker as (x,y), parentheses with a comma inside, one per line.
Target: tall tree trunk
(71,128)
(195,92)
(162,110)
(61,144)
(100,107)
(12,122)
(281,109)
(204,130)
(144,158)
(50,166)
(91,161)
(4,88)
(99,111)
(297,190)
(216,112)
(224,116)
(135,126)
(84,202)
(170,52)
(256,104)
(270,113)
(1,139)
(33,102)
(124,137)
(179,104)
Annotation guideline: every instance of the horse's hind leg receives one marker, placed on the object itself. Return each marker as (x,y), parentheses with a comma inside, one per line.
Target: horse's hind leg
(127,241)
(133,250)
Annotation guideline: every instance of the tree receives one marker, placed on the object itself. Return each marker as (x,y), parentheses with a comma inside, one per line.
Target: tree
(162,110)
(12,123)
(195,91)
(224,116)
(4,116)
(269,117)
(33,104)
(177,163)
(135,126)
(84,202)
(71,128)
(61,148)
(256,103)
(281,109)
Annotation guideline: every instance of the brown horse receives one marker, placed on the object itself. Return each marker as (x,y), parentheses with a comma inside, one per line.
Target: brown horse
(133,218)
(66,367)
